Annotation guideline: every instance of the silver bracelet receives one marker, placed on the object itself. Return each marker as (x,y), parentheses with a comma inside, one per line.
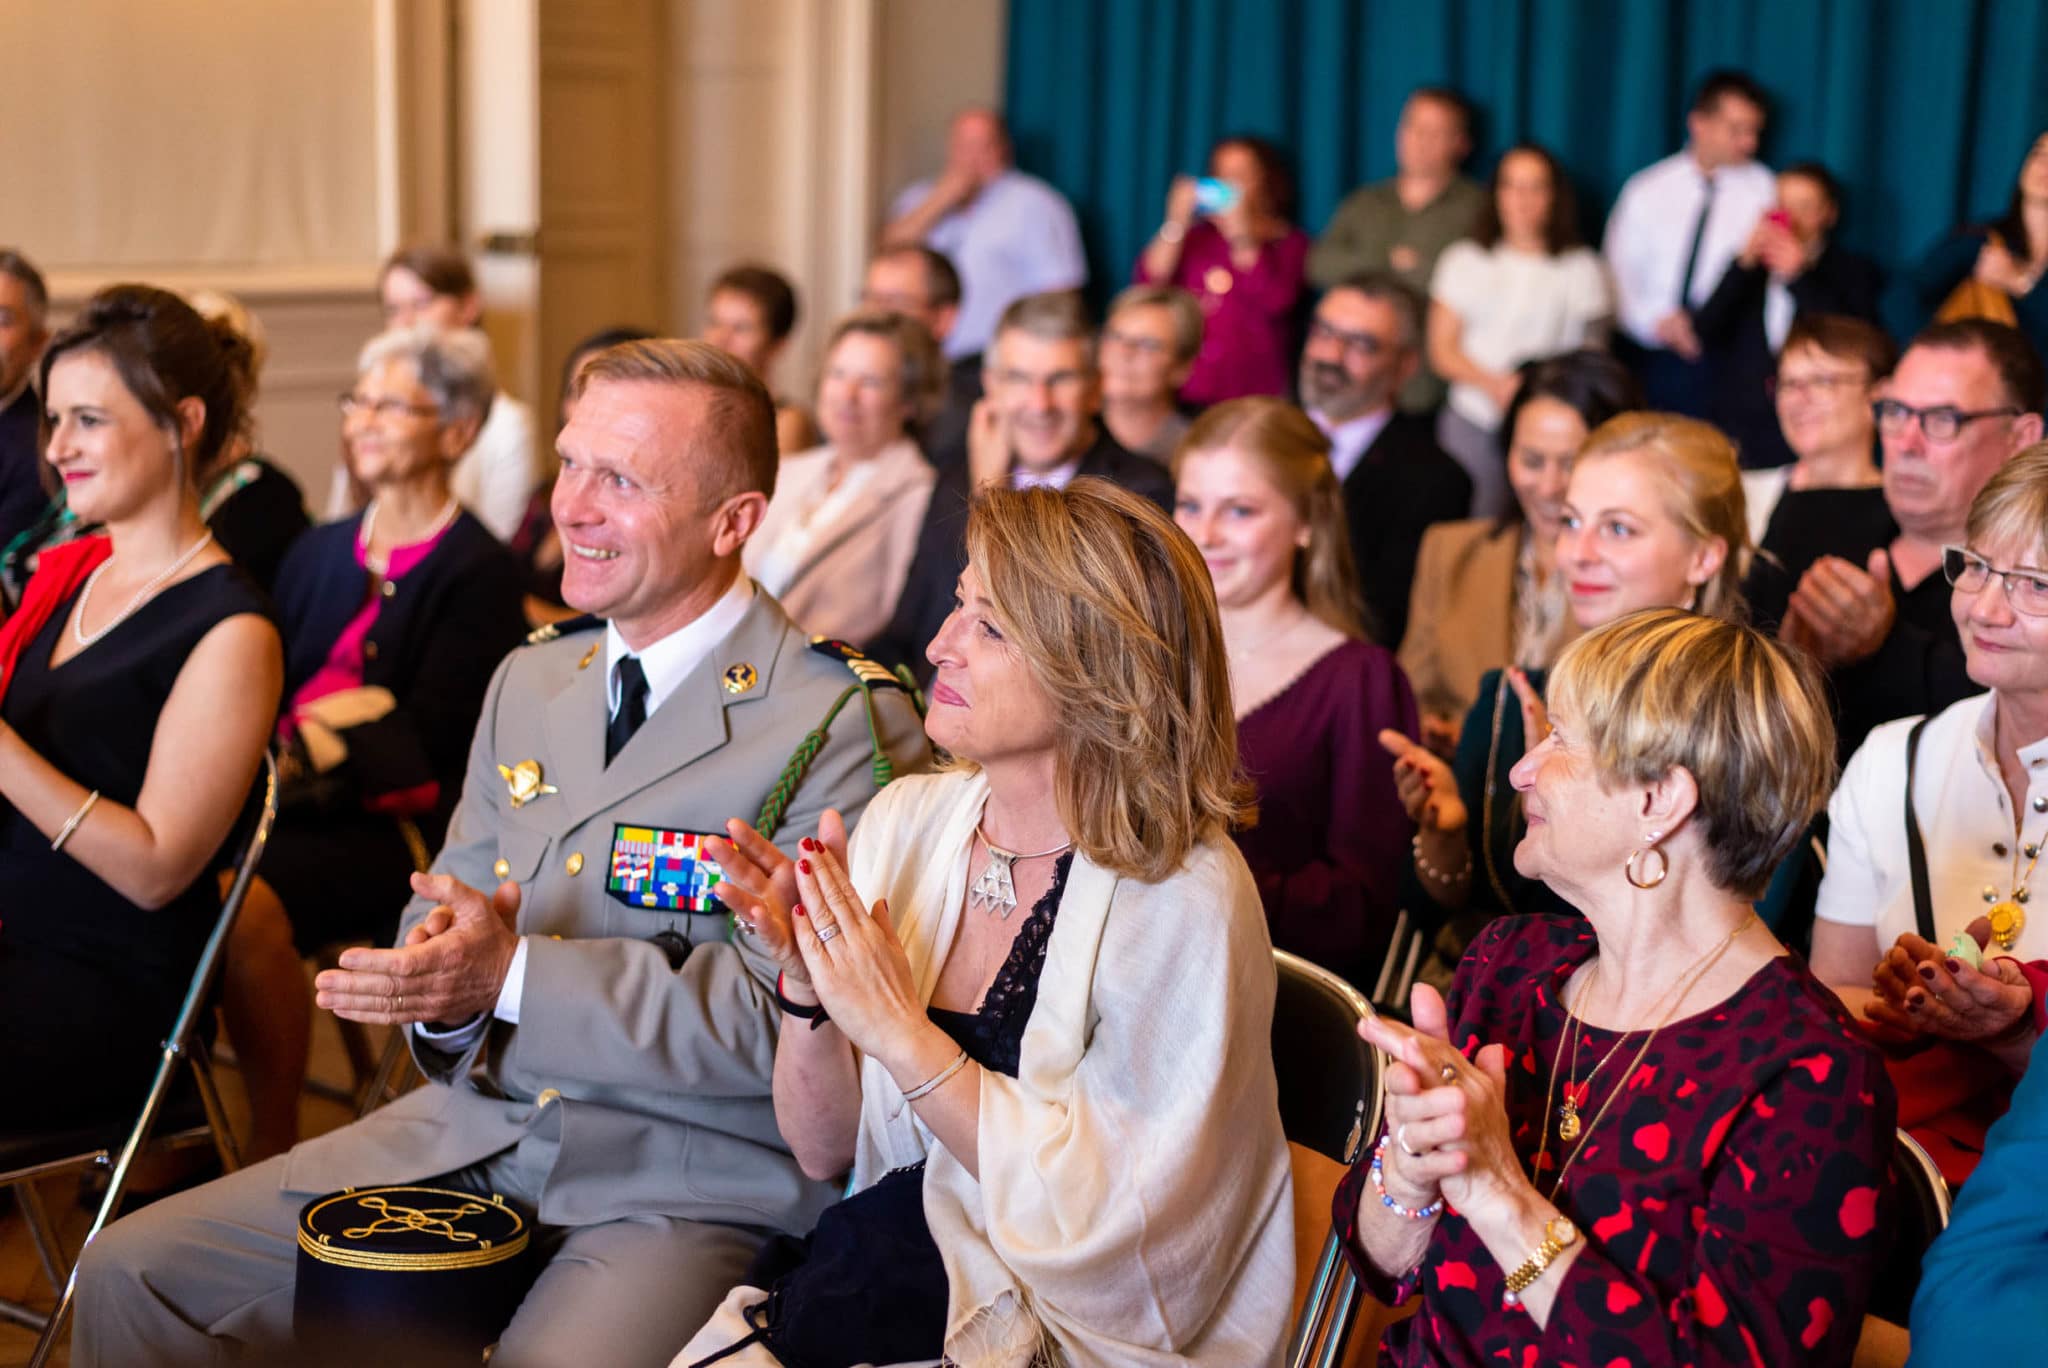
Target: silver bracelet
(959,1063)
(76,817)
(1431,872)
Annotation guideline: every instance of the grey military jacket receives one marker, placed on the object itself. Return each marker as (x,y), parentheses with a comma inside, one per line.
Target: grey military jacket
(636,1087)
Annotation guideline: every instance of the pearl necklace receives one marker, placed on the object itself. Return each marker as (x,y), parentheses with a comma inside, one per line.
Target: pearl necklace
(142,595)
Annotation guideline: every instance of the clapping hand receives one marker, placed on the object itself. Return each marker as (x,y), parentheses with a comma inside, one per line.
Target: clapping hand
(450,969)
(1428,789)
(856,964)
(1840,614)
(760,886)
(1447,1114)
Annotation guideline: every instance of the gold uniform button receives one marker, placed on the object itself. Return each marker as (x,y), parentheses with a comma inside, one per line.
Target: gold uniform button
(574,864)
(547,1095)
(503,869)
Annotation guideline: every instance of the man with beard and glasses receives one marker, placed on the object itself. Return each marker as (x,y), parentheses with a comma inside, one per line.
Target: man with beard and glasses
(1362,348)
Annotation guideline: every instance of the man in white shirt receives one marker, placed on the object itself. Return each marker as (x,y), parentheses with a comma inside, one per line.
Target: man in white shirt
(1675,227)
(598,1043)
(1008,234)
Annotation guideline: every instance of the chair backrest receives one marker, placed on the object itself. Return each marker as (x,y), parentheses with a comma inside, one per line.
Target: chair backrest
(1922,1213)
(1329,1077)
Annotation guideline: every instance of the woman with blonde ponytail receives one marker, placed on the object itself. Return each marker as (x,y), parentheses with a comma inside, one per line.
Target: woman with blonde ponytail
(1256,493)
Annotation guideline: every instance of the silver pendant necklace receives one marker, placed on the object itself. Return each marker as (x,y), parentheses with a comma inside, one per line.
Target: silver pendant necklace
(995,892)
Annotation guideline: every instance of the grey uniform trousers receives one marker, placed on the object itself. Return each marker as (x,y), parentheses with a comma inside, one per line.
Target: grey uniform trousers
(206,1277)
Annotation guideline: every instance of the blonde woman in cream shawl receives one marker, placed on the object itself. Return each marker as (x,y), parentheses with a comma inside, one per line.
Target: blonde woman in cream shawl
(1047,992)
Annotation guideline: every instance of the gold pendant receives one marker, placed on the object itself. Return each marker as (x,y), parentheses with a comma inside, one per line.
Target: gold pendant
(2008,919)
(1568,1120)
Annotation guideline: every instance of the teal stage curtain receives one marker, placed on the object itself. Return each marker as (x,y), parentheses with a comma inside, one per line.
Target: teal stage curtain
(1923,108)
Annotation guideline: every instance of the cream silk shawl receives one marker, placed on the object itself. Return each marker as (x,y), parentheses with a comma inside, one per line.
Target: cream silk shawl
(1134,1205)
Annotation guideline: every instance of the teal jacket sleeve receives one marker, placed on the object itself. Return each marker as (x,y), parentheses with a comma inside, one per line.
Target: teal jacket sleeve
(1983,1294)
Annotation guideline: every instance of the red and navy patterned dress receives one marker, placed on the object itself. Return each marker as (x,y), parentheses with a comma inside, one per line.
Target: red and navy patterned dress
(1729,1200)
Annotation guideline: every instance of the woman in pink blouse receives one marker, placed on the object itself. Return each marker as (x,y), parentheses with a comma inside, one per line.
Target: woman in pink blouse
(1237,250)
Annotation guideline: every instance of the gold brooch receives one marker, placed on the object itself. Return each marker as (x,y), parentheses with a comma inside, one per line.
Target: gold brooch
(740,678)
(524,781)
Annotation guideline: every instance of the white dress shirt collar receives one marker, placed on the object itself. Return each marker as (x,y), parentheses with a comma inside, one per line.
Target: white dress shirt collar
(1059,477)
(1352,438)
(668,662)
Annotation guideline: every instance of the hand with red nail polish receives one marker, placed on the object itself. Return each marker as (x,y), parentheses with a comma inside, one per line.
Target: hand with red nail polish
(758,882)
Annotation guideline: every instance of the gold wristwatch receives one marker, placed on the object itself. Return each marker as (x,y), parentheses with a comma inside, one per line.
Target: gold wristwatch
(1559,1235)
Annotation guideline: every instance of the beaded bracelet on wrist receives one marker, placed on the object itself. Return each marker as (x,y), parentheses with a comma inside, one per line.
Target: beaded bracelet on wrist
(1379,1187)
(1431,872)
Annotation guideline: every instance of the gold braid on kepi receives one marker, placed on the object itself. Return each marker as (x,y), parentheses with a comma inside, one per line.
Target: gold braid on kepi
(868,675)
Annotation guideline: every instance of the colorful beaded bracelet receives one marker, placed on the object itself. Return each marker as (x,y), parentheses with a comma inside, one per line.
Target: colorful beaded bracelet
(1379,1187)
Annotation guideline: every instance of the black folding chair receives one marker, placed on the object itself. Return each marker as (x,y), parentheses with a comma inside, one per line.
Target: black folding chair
(24,1159)
(1923,1207)
(1330,1102)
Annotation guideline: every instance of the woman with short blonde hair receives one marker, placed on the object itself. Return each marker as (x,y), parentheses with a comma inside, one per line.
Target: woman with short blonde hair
(997,1080)
(836,543)
(1257,495)
(1640,1131)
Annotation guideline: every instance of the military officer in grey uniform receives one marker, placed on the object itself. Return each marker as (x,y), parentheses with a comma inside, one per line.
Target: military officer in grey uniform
(598,1044)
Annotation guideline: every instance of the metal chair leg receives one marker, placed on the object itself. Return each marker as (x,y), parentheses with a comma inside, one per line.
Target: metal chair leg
(48,1249)
(394,1065)
(216,1115)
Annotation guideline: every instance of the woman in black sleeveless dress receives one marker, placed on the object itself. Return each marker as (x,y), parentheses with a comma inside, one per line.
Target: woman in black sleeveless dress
(140,676)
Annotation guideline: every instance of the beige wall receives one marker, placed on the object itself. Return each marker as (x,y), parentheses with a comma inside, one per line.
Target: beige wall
(272,150)
(279,150)
(792,124)
(936,58)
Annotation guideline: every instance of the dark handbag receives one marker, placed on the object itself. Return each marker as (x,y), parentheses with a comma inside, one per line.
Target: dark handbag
(867,1286)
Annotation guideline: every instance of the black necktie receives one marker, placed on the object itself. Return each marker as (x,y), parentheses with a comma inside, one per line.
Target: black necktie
(632,707)
(1692,256)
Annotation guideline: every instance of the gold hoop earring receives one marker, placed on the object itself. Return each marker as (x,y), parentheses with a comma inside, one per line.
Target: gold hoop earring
(1636,857)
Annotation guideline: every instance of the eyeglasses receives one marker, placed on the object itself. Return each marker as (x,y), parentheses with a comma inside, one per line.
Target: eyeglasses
(1365,344)
(1137,342)
(381,409)
(1800,385)
(2026,590)
(1061,381)
(1943,423)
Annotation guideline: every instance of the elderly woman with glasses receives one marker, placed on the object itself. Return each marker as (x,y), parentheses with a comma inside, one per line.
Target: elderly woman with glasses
(1954,953)
(393,621)
(1031,1010)
(1644,1135)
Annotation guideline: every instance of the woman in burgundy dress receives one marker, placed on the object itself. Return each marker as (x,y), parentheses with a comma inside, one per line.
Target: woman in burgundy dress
(1258,496)
(1235,248)
(1651,1136)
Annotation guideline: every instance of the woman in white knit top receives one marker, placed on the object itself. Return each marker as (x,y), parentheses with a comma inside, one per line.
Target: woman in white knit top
(1061,1125)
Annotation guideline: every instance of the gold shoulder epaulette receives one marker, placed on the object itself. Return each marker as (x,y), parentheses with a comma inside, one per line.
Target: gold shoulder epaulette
(548,631)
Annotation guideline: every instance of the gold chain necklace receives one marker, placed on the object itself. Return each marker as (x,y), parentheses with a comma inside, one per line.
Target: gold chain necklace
(1550,1089)
(1568,1113)
(2008,916)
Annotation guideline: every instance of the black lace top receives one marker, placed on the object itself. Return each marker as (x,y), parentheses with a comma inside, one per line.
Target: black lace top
(994,1036)
(868,1285)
